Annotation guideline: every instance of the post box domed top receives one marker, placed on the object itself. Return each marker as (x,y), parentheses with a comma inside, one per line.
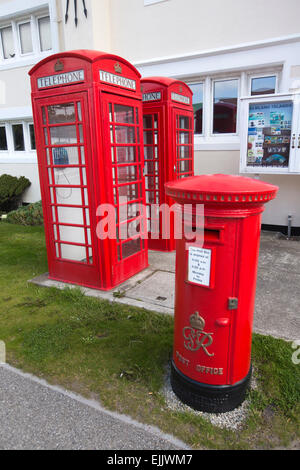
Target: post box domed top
(84,67)
(221,189)
(170,89)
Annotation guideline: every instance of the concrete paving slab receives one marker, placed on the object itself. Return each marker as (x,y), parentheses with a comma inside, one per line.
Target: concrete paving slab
(35,415)
(162,263)
(157,289)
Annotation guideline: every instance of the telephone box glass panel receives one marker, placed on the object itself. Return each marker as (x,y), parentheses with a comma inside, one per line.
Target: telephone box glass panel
(67,181)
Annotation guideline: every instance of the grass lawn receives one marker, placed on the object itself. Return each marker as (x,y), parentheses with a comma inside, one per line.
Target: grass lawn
(118,354)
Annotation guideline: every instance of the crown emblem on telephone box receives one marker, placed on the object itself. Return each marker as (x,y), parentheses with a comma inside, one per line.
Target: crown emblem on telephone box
(118,67)
(59,66)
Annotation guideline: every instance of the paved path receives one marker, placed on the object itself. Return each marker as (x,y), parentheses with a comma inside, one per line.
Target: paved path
(35,415)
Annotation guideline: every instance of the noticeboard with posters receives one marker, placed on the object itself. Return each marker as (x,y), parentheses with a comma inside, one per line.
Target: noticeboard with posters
(270,135)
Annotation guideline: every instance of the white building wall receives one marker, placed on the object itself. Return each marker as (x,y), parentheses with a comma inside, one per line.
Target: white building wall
(177,27)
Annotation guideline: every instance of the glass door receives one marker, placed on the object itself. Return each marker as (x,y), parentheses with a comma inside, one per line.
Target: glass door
(125,152)
(62,131)
(152,170)
(184,144)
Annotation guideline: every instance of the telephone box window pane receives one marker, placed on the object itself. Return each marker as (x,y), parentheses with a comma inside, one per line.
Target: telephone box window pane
(124,114)
(131,247)
(63,135)
(197,90)
(79,111)
(64,156)
(225,106)
(127,174)
(70,215)
(147,122)
(124,135)
(32,137)
(263,85)
(18,137)
(148,153)
(25,37)
(184,137)
(148,138)
(130,192)
(3,141)
(72,234)
(67,195)
(7,43)
(45,33)
(73,252)
(184,122)
(125,154)
(61,113)
(67,176)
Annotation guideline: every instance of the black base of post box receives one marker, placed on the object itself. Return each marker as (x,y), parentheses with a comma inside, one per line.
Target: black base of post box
(209,398)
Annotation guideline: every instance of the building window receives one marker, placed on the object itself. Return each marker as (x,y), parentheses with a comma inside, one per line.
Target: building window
(8,48)
(45,33)
(18,137)
(3,140)
(225,101)
(32,137)
(263,85)
(197,89)
(25,37)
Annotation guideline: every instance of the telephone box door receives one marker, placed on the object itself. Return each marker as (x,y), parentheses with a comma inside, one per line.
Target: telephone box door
(123,146)
(66,175)
(155,174)
(183,152)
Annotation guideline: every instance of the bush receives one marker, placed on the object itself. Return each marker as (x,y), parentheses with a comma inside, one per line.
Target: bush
(11,190)
(28,215)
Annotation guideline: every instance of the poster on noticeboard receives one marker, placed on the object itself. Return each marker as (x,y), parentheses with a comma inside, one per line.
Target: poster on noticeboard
(269,134)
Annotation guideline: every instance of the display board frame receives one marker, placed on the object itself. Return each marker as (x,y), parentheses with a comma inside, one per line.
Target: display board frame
(270,134)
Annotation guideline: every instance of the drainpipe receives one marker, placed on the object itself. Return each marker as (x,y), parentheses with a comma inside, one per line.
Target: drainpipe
(289,228)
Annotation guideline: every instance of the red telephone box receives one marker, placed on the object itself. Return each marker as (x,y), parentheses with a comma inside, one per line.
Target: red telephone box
(87,108)
(215,289)
(168,149)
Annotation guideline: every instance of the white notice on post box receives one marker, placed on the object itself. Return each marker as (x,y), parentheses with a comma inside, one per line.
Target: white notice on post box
(199,265)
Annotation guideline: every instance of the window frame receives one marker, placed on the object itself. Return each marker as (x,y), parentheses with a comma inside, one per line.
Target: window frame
(18,23)
(7,24)
(17,123)
(294,157)
(11,153)
(37,18)
(4,124)
(263,75)
(28,57)
(200,82)
(227,134)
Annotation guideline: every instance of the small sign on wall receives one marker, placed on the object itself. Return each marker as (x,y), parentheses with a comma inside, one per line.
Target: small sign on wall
(199,265)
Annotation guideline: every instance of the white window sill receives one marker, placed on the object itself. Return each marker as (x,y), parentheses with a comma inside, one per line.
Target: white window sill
(32,59)
(217,143)
(24,157)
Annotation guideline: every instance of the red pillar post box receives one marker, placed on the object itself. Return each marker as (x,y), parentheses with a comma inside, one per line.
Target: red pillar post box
(215,289)
(87,108)
(168,149)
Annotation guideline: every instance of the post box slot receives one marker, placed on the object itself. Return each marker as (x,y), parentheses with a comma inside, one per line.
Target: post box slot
(211,234)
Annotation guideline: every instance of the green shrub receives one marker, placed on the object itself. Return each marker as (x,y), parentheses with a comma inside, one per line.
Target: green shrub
(28,215)
(11,190)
